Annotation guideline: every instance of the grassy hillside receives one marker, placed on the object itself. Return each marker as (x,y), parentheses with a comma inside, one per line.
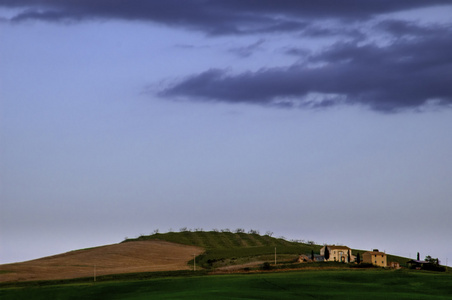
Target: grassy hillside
(222,240)
(314,284)
(227,248)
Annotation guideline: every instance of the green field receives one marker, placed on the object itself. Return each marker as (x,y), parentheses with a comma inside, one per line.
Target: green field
(312,284)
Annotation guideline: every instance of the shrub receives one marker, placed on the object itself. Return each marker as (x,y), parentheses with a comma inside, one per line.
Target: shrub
(432,267)
(266,266)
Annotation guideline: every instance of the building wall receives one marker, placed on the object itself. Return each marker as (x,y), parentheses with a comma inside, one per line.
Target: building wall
(375,258)
(338,254)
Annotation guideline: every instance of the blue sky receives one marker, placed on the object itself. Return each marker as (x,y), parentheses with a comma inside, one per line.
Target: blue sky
(316,121)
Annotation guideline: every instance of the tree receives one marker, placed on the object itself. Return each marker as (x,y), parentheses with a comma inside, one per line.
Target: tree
(358,259)
(348,257)
(312,255)
(418,256)
(327,253)
(432,260)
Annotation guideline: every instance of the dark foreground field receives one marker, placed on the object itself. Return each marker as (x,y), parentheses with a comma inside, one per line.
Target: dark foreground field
(312,284)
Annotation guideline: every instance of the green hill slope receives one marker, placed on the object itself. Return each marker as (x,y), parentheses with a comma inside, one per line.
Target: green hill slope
(223,240)
(228,248)
(234,248)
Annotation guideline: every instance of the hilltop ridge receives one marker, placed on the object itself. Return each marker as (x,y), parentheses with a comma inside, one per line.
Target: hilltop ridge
(224,240)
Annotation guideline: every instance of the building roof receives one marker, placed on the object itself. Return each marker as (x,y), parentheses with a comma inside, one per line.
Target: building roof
(418,261)
(333,247)
(374,253)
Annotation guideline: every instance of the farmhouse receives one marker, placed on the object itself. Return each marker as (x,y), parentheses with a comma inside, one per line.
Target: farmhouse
(338,253)
(375,257)
(418,264)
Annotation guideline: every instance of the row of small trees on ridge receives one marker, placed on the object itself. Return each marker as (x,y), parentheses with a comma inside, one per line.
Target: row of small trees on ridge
(237,230)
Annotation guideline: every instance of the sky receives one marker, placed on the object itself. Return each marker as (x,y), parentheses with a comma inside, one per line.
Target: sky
(325,121)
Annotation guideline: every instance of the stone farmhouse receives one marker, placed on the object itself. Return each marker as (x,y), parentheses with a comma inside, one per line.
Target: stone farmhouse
(338,253)
(376,258)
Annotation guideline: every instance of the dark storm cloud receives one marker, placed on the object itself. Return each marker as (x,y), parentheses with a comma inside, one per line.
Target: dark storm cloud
(407,73)
(213,17)
(413,68)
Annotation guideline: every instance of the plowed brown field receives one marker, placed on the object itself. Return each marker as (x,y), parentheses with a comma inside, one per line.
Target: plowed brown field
(130,257)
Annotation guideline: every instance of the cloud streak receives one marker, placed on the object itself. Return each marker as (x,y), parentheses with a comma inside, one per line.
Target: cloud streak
(213,17)
(414,70)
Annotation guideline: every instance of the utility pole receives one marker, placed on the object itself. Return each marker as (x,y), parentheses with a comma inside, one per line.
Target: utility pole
(275,256)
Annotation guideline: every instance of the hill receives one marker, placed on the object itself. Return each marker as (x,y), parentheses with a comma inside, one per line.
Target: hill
(226,249)
(171,251)
(138,256)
